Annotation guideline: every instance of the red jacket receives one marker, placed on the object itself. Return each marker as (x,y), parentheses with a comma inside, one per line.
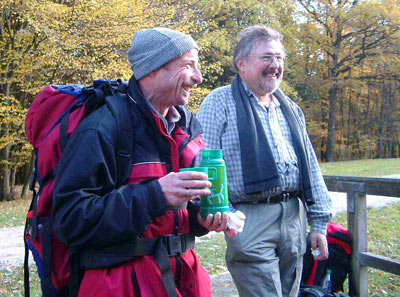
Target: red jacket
(88,212)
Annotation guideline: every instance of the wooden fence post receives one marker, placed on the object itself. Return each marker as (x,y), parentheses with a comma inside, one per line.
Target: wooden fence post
(357,226)
(357,188)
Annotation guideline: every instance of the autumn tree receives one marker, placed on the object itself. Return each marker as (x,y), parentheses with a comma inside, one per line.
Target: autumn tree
(18,43)
(58,42)
(349,32)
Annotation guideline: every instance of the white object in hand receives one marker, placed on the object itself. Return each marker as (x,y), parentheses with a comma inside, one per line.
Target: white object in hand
(236,220)
(316,252)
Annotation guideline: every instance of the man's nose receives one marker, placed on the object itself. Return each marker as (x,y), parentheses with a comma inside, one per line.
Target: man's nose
(196,77)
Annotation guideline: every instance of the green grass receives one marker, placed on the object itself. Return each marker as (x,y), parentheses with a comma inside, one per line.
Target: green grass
(13,213)
(211,252)
(383,234)
(12,282)
(374,167)
(383,240)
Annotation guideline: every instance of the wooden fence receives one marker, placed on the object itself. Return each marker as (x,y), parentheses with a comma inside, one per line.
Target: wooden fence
(357,188)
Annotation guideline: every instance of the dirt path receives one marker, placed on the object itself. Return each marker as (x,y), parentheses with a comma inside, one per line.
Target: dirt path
(11,247)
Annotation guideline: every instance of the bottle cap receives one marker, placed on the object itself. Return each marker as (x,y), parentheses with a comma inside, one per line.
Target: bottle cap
(212,154)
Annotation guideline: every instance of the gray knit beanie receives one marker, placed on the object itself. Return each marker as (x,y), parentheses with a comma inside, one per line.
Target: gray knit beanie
(152,48)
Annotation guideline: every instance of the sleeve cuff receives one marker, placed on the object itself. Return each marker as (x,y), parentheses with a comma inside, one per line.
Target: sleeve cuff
(318,227)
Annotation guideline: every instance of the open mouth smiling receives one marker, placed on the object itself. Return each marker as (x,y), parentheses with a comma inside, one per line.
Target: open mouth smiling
(272,74)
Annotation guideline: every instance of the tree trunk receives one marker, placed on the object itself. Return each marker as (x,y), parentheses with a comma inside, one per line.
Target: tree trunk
(381,122)
(348,130)
(340,127)
(2,193)
(322,150)
(4,176)
(330,145)
(13,172)
(28,173)
(4,156)
(5,185)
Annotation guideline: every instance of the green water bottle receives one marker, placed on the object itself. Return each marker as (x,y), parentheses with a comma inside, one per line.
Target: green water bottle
(217,201)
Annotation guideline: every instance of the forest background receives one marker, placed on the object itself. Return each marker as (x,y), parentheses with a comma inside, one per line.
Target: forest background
(342,66)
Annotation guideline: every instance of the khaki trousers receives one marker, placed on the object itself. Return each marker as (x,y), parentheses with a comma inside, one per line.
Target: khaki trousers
(266,259)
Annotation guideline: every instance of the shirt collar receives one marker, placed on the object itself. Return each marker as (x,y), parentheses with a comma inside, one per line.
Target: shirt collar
(173,115)
(170,120)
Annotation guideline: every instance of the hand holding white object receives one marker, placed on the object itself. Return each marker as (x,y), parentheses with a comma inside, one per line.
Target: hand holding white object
(236,220)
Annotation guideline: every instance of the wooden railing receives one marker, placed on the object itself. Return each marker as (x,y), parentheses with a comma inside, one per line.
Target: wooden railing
(357,188)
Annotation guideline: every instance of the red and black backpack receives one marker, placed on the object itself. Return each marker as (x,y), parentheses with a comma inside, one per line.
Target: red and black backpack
(52,117)
(339,260)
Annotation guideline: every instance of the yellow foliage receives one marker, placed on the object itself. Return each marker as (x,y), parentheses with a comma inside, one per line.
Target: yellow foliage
(12,136)
(45,41)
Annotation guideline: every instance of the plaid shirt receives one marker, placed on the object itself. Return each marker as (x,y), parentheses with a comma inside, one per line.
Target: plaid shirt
(217,115)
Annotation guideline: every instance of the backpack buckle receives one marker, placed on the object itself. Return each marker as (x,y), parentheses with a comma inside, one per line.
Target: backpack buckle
(173,244)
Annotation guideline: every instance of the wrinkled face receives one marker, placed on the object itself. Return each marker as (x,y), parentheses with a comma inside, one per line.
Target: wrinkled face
(174,80)
(262,69)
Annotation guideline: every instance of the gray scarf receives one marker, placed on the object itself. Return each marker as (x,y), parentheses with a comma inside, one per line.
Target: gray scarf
(260,172)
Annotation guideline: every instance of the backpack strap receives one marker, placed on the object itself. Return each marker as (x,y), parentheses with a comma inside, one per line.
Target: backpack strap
(28,228)
(119,106)
(46,251)
(26,266)
(115,255)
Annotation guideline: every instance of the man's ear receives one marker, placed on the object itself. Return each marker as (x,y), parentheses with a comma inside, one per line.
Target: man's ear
(240,63)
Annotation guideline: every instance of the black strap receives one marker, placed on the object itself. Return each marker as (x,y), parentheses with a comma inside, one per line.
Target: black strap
(176,222)
(44,226)
(74,275)
(34,216)
(26,264)
(178,273)
(115,255)
(48,177)
(29,223)
(162,260)
(94,100)
(48,288)
(119,106)
(64,131)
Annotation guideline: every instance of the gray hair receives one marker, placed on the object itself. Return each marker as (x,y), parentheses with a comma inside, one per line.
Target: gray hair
(249,37)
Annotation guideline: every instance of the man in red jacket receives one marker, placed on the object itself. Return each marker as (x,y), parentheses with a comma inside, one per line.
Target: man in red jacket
(144,230)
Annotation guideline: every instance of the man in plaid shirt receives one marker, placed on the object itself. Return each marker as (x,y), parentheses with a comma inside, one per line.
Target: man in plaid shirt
(273,173)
